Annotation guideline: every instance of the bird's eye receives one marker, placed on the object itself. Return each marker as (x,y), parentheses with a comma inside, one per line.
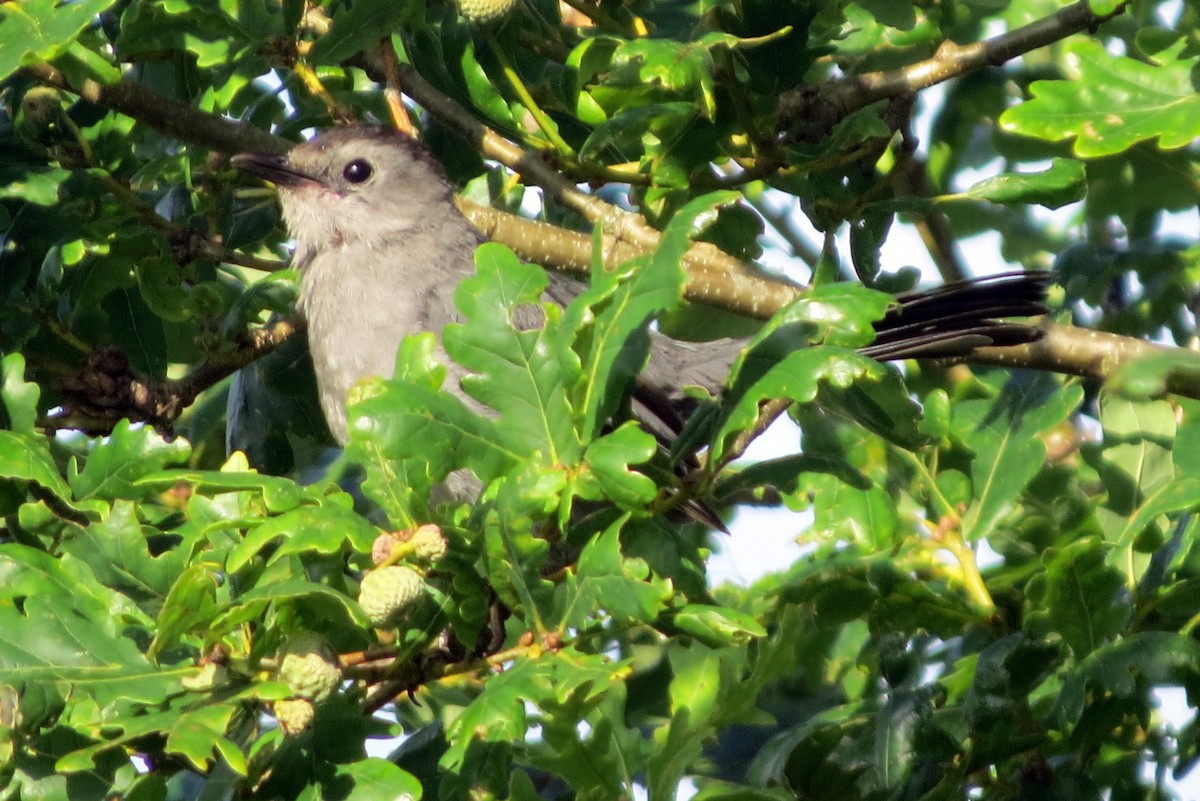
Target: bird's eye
(357,171)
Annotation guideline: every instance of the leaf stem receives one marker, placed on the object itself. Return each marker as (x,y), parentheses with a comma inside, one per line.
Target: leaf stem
(972,578)
(547,125)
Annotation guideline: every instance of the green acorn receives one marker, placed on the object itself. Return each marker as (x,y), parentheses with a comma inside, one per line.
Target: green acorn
(429,543)
(485,12)
(308,667)
(42,108)
(295,715)
(386,592)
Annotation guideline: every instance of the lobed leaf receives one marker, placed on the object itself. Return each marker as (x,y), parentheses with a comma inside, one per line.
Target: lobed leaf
(515,371)
(1113,103)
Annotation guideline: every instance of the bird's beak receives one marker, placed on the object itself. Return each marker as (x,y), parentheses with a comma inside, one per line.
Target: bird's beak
(272,167)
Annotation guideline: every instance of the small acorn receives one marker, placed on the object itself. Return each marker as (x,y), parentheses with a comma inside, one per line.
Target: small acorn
(308,667)
(42,108)
(386,592)
(429,543)
(485,12)
(295,715)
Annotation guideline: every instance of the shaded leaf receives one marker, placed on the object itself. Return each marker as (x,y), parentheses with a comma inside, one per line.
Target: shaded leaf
(1079,598)
(1158,657)
(606,579)
(1004,433)
(1063,182)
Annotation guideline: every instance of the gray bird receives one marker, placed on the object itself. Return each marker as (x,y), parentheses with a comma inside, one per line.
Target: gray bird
(380,247)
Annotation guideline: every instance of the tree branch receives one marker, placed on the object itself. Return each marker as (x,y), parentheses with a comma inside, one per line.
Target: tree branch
(746,291)
(166,114)
(106,389)
(811,111)
(623,225)
(1090,354)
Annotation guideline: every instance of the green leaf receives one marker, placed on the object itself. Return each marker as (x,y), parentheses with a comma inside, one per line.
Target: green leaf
(165,290)
(1113,103)
(716,626)
(405,421)
(116,462)
(848,513)
(779,362)
(42,29)
(605,579)
(322,529)
(1185,450)
(497,714)
(715,790)
(46,642)
(608,474)
(1102,8)
(514,552)
(1152,375)
(1178,495)
(482,92)
(20,396)
(328,604)
(198,735)
(375,779)
(516,372)
(1079,598)
(607,325)
(597,758)
(884,407)
(1136,452)
(893,13)
(627,131)
(117,548)
(798,376)
(678,67)
(190,605)
(1004,433)
(1135,463)
(1063,182)
(700,676)
(359,26)
(1122,667)
(853,587)
(26,457)
(29,571)
(279,494)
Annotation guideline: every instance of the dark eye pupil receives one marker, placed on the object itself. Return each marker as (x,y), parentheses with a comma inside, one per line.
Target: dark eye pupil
(357,171)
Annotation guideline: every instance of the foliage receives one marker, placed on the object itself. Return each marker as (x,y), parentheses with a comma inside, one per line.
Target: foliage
(150,585)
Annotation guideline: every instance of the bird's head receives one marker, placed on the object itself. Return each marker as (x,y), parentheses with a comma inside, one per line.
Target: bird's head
(356,185)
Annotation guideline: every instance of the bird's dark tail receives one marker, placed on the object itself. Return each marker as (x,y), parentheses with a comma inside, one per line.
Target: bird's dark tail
(953,319)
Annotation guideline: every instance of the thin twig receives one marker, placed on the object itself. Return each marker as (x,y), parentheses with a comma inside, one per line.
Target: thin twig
(391,88)
(547,125)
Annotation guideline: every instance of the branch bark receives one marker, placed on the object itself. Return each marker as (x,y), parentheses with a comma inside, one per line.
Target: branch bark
(166,114)
(1091,354)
